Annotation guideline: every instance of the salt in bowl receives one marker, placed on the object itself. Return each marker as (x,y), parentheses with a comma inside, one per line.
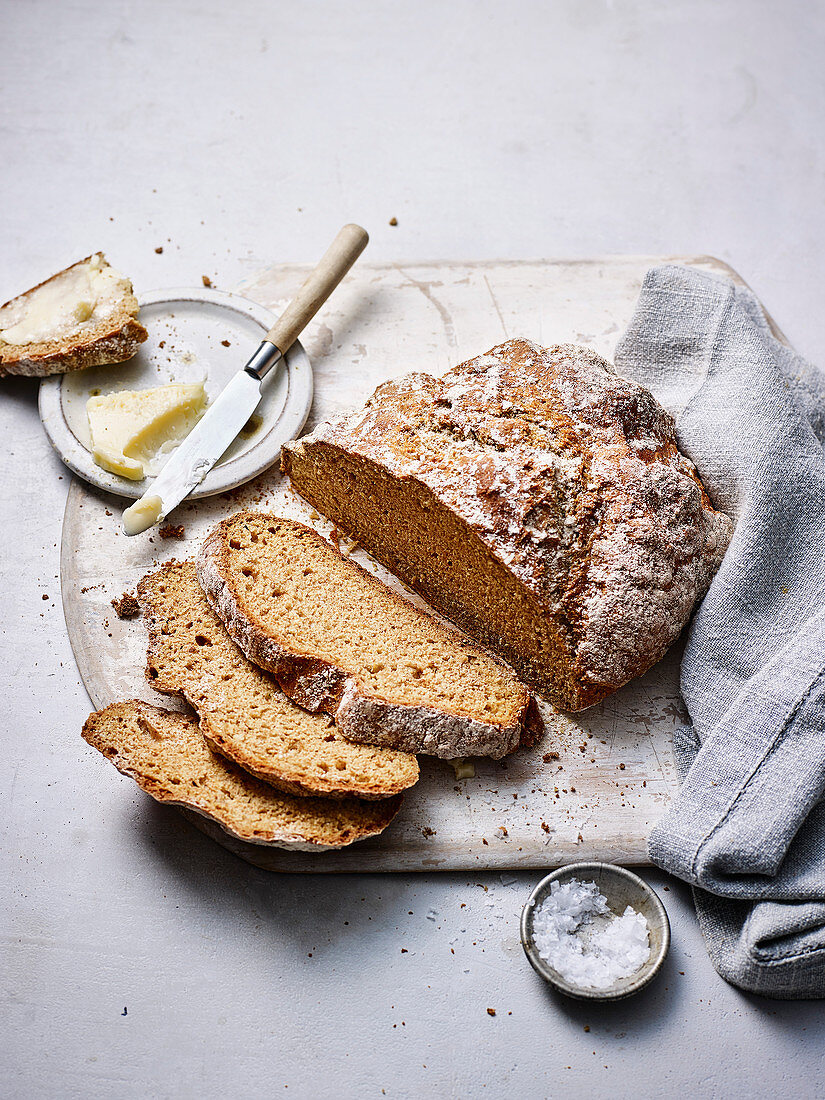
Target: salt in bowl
(621,888)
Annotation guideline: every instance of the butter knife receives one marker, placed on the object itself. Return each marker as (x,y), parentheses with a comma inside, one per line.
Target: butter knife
(226,416)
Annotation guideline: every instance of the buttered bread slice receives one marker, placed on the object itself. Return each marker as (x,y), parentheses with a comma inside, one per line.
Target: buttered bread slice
(243,713)
(338,640)
(167,757)
(85,316)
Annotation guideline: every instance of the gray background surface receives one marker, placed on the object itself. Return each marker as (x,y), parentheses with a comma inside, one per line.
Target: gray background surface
(139,959)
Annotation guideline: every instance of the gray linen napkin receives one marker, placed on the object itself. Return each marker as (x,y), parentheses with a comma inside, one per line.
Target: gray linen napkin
(747,828)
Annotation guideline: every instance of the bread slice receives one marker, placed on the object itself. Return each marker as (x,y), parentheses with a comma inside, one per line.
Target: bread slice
(243,713)
(167,757)
(338,640)
(85,316)
(535,498)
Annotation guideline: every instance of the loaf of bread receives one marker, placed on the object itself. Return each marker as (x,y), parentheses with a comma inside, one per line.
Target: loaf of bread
(535,498)
(338,640)
(243,713)
(167,757)
(85,316)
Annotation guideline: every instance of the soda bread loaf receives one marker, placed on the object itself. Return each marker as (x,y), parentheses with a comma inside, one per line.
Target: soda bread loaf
(338,640)
(85,316)
(535,498)
(166,755)
(243,713)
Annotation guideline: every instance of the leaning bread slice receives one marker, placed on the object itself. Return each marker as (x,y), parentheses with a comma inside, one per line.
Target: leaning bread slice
(339,640)
(243,713)
(166,756)
(85,316)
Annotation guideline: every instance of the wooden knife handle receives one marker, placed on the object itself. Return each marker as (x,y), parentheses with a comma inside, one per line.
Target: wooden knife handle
(332,267)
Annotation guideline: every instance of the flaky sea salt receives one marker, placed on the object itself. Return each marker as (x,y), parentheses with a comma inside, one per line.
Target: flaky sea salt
(572,933)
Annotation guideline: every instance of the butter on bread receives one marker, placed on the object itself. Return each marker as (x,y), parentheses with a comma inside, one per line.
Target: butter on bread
(168,758)
(84,316)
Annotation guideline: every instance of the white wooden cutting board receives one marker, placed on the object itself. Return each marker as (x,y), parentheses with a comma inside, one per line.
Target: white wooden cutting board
(614,774)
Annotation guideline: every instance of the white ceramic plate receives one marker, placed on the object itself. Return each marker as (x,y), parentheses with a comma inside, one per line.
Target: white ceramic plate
(193,335)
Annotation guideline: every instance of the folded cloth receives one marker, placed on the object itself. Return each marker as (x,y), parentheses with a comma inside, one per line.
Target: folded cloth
(747,828)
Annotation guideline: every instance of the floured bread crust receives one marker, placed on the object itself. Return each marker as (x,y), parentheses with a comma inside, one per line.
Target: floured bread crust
(534,497)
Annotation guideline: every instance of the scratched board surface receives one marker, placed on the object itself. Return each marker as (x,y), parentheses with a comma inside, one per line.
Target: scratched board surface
(595,785)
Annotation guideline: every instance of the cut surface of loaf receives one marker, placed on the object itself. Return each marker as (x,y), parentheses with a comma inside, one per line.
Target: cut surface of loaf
(85,316)
(243,713)
(168,758)
(536,499)
(338,640)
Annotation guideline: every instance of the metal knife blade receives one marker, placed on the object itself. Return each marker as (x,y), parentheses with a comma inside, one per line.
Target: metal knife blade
(205,444)
(197,454)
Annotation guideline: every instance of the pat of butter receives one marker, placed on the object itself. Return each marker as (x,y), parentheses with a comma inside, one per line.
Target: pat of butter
(131,428)
(142,514)
(65,303)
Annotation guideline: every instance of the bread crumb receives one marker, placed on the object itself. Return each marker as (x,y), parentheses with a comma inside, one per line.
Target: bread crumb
(427,831)
(206,280)
(548,756)
(226,343)
(491,1012)
(45,595)
(171,531)
(393,221)
(126,607)
(159,249)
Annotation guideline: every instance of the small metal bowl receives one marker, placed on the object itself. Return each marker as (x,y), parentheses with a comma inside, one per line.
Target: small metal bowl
(621,888)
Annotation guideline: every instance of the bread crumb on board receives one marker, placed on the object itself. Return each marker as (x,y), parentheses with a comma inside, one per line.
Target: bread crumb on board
(126,607)
(206,280)
(172,531)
